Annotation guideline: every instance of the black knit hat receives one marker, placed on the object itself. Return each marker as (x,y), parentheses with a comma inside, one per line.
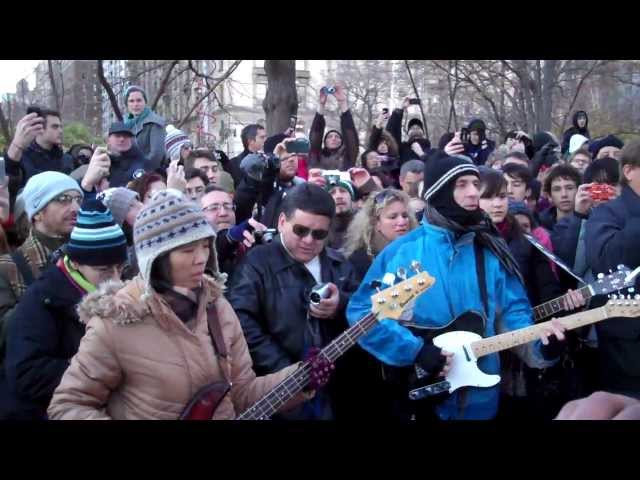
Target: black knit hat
(415,121)
(477,124)
(608,141)
(441,169)
(96,239)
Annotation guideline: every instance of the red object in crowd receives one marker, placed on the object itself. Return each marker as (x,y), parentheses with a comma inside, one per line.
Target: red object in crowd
(8,223)
(303,169)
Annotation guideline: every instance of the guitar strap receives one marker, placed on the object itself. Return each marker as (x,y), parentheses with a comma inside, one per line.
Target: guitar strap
(216,331)
(482,280)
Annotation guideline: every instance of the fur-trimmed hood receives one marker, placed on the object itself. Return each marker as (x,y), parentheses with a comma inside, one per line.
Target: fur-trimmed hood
(123,302)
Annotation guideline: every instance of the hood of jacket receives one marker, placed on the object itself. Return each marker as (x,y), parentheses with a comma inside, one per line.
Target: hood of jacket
(153,117)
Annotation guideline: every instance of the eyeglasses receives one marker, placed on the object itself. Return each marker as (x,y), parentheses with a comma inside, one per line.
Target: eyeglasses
(66,199)
(302,231)
(214,207)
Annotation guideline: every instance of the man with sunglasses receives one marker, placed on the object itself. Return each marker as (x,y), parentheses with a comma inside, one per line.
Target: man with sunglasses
(52,201)
(270,293)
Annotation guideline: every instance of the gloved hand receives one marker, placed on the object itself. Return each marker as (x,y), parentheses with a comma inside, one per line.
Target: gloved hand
(236,233)
(546,156)
(260,167)
(321,369)
(554,349)
(431,359)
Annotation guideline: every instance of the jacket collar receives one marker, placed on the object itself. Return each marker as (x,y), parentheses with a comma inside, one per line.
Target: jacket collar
(55,152)
(630,199)
(283,260)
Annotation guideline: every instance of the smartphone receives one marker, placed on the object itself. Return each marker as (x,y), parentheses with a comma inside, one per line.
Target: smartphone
(464,135)
(299,145)
(414,101)
(34,109)
(293,121)
(3,171)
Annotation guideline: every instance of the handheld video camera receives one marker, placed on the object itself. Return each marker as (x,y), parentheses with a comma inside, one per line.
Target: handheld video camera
(265,236)
(318,292)
(328,90)
(465,135)
(300,145)
(259,165)
(601,192)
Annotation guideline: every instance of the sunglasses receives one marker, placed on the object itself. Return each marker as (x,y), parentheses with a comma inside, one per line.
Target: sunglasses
(383,195)
(302,231)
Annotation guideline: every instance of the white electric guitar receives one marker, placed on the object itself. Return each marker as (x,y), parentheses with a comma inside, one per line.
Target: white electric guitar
(468,347)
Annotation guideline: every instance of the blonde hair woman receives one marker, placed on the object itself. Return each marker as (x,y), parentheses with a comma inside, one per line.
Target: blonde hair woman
(384,217)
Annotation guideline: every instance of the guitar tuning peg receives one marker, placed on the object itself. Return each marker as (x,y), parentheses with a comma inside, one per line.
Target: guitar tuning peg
(613,296)
(610,271)
(631,289)
(636,296)
(416,266)
(620,267)
(376,284)
(600,276)
(389,278)
(402,273)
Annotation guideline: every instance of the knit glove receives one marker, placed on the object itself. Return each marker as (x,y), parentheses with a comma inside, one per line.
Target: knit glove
(430,358)
(554,349)
(236,233)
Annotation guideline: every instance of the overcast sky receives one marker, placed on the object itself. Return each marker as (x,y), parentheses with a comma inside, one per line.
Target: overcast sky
(11,71)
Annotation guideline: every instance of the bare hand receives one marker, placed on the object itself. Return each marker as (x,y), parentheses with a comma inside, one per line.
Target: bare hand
(341,93)
(601,406)
(448,363)
(249,237)
(315,177)
(359,176)
(175,176)
(417,149)
(323,97)
(405,103)
(99,168)
(27,129)
(4,201)
(327,307)
(573,300)
(455,146)
(552,328)
(281,148)
(583,199)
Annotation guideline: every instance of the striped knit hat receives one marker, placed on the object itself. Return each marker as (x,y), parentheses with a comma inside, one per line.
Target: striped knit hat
(96,239)
(173,142)
(440,169)
(169,221)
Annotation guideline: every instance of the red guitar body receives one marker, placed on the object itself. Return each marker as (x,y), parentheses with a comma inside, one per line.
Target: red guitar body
(204,403)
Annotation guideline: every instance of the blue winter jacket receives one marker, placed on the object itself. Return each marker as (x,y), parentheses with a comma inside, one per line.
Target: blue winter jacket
(456,290)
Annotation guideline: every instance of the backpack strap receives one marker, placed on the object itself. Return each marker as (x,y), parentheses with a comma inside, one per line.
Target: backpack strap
(23,267)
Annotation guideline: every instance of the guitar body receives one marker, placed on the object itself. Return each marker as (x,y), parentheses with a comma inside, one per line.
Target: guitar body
(204,403)
(464,367)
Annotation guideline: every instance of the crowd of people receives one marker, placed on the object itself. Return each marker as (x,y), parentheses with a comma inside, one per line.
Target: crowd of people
(135,275)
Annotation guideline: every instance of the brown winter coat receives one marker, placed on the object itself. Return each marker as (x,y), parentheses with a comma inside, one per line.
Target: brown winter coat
(138,360)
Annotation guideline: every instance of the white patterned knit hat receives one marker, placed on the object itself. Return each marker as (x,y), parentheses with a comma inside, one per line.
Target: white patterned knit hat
(174,140)
(169,221)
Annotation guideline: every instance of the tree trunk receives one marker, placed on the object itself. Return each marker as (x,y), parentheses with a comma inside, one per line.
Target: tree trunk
(107,87)
(54,88)
(281,100)
(163,84)
(548,80)
(5,127)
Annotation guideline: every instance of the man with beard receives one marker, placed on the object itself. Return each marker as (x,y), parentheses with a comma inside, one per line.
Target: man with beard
(343,194)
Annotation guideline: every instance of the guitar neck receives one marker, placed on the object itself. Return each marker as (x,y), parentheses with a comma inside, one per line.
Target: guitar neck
(556,305)
(514,338)
(294,383)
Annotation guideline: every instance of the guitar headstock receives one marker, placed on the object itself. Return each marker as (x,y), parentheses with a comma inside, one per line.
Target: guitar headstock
(391,302)
(621,306)
(614,281)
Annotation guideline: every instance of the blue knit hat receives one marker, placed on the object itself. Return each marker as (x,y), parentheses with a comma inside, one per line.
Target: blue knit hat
(97,239)
(44,187)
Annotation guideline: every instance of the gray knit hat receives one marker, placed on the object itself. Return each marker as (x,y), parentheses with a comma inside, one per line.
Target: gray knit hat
(119,201)
(44,187)
(169,221)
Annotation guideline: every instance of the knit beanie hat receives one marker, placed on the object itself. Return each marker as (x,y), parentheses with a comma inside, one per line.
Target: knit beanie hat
(134,88)
(608,141)
(441,169)
(576,142)
(324,140)
(347,185)
(415,121)
(173,142)
(118,201)
(169,221)
(225,182)
(44,187)
(96,239)
(477,124)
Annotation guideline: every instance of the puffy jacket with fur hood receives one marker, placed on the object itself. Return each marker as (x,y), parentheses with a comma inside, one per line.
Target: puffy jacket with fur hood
(138,360)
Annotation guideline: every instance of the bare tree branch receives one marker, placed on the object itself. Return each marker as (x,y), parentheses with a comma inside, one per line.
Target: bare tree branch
(107,88)
(163,84)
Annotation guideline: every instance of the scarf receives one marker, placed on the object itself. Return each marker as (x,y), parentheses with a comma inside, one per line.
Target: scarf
(75,277)
(486,235)
(135,122)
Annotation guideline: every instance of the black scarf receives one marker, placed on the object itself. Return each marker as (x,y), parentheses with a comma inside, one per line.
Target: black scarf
(486,234)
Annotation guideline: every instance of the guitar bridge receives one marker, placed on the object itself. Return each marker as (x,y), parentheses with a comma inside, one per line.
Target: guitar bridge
(429,390)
